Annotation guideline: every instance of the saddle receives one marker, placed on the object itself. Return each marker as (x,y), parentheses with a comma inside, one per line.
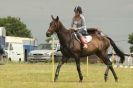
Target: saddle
(87,37)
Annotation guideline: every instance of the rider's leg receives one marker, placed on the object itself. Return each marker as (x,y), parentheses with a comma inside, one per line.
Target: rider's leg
(82,39)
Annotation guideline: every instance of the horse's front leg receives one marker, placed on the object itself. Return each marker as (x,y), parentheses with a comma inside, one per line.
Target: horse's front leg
(78,68)
(58,68)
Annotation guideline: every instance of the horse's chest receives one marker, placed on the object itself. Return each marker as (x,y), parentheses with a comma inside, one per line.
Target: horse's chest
(65,51)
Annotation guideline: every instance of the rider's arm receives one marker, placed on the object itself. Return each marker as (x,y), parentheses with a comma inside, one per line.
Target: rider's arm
(83,23)
(73,25)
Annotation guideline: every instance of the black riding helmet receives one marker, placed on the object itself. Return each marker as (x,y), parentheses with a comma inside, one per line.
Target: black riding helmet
(78,8)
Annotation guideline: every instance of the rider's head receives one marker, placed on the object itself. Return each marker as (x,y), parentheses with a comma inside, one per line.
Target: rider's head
(78,9)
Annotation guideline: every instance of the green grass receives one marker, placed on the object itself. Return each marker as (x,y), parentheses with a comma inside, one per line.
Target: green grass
(24,75)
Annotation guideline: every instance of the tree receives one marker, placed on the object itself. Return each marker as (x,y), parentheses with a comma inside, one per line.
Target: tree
(15,27)
(130,40)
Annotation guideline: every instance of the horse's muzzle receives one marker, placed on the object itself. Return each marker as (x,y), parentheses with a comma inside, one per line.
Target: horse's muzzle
(48,34)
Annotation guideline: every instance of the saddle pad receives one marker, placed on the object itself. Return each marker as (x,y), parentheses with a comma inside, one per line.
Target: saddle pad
(88,38)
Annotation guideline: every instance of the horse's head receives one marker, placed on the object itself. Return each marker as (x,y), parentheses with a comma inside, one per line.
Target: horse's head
(53,27)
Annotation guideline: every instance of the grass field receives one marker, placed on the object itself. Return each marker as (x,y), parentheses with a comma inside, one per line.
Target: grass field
(24,75)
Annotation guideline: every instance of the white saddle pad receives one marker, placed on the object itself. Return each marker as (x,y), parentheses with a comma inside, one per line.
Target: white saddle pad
(88,38)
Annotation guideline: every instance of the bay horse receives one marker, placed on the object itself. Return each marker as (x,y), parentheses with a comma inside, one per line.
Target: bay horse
(71,47)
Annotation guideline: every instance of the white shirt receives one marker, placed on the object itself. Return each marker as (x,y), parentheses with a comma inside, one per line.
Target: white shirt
(79,24)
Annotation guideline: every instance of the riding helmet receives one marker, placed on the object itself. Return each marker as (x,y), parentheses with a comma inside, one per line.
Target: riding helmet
(78,8)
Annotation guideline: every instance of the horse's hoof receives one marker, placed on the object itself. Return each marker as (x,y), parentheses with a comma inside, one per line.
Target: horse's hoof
(116,80)
(105,79)
(81,78)
(55,79)
(80,81)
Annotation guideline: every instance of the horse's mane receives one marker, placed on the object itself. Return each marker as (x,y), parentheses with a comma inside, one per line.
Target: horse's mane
(67,30)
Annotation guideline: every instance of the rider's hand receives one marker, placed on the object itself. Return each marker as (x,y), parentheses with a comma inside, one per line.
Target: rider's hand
(74,29)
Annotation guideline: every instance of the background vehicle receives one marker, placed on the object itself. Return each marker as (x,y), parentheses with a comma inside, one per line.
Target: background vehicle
(43,52)
(15,51)
(17,48)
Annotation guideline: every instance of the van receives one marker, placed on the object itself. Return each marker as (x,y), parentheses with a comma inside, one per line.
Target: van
(15,51)
(17,48)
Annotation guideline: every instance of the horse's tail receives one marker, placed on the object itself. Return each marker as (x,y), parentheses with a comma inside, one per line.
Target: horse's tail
(117,50)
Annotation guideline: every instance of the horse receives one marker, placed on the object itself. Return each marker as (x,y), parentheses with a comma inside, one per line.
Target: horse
(71,47)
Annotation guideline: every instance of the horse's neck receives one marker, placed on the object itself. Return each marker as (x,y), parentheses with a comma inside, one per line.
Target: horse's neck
(64,36)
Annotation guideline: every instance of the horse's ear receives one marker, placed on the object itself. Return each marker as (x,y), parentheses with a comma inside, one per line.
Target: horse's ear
(57,18)
(52,17)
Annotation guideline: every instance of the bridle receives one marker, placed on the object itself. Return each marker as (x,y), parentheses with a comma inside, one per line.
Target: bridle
(56,27)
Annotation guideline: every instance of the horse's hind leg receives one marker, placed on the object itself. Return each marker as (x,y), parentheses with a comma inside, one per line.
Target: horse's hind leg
(58,68)
(109,65)
(114,74)
(106,60)
(106,74)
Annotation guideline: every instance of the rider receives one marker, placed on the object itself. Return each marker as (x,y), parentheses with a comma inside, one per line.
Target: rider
(79,25)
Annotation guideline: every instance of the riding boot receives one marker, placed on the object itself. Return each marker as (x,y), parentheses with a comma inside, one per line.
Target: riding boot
(83,41)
